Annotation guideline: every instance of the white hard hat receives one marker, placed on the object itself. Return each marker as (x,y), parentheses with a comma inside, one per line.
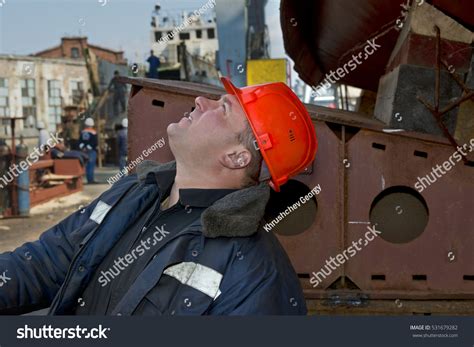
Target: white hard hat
(125,123)
(89,122)
(40,125)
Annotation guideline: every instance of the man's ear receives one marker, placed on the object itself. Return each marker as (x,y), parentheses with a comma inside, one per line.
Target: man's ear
(237,160)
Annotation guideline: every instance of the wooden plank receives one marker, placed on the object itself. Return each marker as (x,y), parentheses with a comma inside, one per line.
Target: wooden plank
(54,177)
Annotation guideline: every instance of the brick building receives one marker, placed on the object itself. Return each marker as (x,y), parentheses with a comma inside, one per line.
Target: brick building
(72,48)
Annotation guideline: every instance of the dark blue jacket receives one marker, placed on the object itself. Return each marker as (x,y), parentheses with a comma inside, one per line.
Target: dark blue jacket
(88,139)
(154,66)
(238,269)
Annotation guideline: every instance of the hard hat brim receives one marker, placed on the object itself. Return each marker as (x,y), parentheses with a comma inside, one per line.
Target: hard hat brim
(229,86)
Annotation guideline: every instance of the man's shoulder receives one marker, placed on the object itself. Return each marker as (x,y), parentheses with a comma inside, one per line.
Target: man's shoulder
(265,245)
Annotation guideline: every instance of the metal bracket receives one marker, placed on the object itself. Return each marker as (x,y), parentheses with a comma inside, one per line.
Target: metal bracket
(347,300)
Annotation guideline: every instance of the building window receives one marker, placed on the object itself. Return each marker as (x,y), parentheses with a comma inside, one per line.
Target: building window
(211,34)
(199,34)
(184,36)
(74,52)
(4,106)
(77,92)
(28,98)
(54,104)
(158,35)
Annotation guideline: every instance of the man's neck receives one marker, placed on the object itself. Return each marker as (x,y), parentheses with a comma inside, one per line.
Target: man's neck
(184,182)
(193,179)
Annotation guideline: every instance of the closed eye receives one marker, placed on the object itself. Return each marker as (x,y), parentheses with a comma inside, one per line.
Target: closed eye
(227,106)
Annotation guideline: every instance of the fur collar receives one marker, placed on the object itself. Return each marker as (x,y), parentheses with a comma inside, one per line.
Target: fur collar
(237,214)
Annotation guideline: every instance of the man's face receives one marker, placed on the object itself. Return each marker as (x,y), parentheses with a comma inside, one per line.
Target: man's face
(209,132)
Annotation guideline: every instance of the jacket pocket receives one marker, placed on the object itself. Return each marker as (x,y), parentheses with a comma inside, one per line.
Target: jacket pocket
(171,297)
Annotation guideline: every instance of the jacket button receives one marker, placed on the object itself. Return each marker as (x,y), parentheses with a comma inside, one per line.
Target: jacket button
(194,253)
(81,268)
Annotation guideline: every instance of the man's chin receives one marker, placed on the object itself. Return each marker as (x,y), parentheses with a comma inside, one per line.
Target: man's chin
(175,134)
(172,129)
(179,126)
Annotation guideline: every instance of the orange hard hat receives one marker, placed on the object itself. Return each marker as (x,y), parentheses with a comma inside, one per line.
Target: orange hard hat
(282,127)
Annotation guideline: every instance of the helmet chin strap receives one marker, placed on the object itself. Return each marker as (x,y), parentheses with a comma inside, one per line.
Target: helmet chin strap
(264,172)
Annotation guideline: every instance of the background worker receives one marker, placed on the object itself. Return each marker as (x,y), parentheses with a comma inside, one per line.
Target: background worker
(88,144)
(154,65)
(119,91)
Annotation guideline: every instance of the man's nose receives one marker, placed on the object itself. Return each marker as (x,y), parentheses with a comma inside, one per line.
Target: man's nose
(203,104)
(199,101)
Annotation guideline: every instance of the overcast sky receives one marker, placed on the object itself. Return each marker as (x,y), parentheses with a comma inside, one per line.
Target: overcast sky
(28,26)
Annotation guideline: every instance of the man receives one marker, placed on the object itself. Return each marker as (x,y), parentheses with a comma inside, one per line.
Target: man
(154,65)
(122,144)
(185,237)
(119,90)
(88,144)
